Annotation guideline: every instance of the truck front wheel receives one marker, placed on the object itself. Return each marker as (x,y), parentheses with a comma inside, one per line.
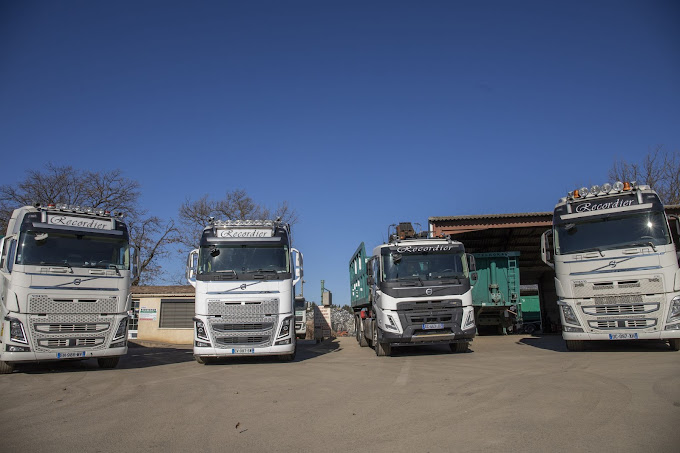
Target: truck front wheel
(202,360)
(576,345)
(361,338)
(674,344)
(6,367)
(108,362)
(381,349)
(459,347)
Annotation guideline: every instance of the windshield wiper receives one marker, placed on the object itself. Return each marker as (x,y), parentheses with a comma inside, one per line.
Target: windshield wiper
(593,249)
(62,264)
(452,276)
(106,266)
(262,272)
(642,244)
(411,277)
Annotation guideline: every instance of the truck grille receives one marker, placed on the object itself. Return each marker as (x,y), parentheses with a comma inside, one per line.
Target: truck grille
(241,327)
(84,331)
(620,309)
(600,290)
(56,343)
(40,303)
(622,324)
(232,341)
(252,323)
(238,309)
(59,328)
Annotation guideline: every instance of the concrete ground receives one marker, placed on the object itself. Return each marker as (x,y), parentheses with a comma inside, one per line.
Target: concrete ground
(512,393)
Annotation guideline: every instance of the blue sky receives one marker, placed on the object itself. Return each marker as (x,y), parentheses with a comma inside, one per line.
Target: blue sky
(359,113)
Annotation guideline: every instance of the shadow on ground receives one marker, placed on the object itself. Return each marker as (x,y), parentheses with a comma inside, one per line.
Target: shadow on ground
(556,343)
(149,354)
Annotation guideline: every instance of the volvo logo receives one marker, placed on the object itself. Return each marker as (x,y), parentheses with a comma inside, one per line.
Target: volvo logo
(612,264)
(77,281)
(428,291)
(243,287)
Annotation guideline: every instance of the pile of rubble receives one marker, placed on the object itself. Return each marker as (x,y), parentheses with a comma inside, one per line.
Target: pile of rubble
(342,322)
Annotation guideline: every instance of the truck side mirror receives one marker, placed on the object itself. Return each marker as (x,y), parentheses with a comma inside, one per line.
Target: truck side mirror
(135,267)
(472,264)
(547,248)
(298,273)
(192,265)
(674,223)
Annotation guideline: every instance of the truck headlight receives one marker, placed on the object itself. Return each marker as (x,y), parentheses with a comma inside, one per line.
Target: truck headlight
(16,331)
(569,315)
(470,320)
(121,331)
(285,327)
(571,329)
(674,311)
(390,323)
(201,331)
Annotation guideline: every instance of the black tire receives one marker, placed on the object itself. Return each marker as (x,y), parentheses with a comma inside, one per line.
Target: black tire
(6,367)
(288,357)
(202,360)
(363,341)
(576,345)
(459,347)
(108,362)
(674,343)
(383,349)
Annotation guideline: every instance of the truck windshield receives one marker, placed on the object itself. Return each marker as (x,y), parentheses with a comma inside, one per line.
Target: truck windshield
(612,232)
(240,259)
(72,249)
(425,266)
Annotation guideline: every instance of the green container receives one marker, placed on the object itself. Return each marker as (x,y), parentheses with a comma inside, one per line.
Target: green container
(495,294)
(497,283)
(358,278)
(531,309)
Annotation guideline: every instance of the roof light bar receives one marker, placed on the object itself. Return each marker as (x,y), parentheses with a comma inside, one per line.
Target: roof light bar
(244,223)
(605,189)
(101,212)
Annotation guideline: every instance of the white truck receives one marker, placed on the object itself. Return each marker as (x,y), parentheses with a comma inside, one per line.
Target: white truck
(65,277)
(414,290)
(301,317)
(616,268)
(245,273)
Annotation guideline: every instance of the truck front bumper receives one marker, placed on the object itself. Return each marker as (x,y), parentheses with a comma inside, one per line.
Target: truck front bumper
(244,351)
(659,335)
(409,338)
(66,354)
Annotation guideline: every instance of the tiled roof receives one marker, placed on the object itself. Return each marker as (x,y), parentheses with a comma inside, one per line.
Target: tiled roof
(163,290)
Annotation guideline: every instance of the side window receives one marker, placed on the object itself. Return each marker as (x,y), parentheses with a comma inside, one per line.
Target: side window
(376,270)
(8,253)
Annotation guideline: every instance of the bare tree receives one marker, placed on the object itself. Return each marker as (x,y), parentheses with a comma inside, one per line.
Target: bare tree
(660,169)
(236,204)
(104,189)
(151,237)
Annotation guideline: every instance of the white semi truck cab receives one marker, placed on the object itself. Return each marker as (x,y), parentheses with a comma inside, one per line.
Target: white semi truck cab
(245,273)
(413,290)
(65,276)
(616,267)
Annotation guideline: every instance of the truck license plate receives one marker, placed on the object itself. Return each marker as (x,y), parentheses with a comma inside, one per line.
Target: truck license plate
(433,326)
(623,336)
(70,355)
(243,351)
